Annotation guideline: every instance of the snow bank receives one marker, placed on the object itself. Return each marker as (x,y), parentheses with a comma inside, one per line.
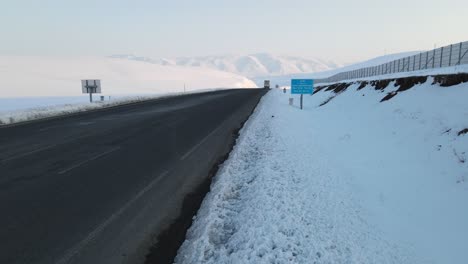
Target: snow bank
(60,76)
(408,160)
(353,181)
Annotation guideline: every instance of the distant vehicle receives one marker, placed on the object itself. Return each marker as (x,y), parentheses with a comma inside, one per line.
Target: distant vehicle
(266,84)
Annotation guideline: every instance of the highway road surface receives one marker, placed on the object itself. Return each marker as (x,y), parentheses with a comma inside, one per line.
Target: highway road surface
(99,187)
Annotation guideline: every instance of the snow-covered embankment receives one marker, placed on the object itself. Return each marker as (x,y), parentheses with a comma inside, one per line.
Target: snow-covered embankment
(352,178)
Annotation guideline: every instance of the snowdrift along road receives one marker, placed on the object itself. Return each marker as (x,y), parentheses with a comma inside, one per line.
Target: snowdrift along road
(352,178)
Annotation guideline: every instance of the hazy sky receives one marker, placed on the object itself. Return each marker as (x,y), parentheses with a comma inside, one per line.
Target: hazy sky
(331,29)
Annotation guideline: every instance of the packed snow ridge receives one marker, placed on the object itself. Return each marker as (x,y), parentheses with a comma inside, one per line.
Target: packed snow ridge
(357,179)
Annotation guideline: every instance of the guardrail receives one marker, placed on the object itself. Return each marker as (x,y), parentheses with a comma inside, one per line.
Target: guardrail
(451,55)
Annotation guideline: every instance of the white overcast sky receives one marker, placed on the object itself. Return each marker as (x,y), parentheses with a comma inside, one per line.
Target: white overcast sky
(338,30)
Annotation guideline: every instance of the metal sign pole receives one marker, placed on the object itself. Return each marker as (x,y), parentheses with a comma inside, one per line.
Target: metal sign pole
(301,100)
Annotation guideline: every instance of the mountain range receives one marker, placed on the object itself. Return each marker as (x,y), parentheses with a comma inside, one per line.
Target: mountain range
(250,66)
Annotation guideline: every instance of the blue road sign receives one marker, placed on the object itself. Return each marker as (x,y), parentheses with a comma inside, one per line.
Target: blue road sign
(302,86)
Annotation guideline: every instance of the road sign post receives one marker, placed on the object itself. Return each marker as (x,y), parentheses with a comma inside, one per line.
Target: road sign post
(302,86)
(301,100)
(90,87)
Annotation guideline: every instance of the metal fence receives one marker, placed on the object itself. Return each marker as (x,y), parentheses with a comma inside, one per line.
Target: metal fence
(451,55)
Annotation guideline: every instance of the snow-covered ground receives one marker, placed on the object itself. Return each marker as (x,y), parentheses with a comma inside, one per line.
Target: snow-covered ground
(353,181)
(26,76)
(35,87)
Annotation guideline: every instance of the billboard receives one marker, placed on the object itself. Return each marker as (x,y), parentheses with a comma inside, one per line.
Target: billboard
(91,86)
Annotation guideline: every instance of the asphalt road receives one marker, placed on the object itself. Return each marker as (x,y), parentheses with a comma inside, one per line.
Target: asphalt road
(98,187)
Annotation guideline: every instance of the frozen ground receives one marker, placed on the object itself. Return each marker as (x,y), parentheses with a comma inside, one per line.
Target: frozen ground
(352,181)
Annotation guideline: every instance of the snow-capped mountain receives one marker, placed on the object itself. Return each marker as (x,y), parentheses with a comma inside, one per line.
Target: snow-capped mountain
(253,65)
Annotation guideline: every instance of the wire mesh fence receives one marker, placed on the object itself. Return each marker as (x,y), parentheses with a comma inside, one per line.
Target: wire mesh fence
(451,55)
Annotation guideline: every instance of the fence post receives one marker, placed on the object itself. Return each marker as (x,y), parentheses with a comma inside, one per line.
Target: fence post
(459,53)
(420,55)
(450,56)
(427,59)
(433,58)
(441,53)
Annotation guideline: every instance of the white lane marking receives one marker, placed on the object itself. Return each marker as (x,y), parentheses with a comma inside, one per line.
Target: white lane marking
(42,149)
(200,143)
(72,252)
(88,160)
(47,128)
(29,153)
(85,123)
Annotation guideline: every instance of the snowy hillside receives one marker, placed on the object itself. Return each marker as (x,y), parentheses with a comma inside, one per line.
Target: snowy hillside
(253,65)
(60,76)
(368,172)
(284,80)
